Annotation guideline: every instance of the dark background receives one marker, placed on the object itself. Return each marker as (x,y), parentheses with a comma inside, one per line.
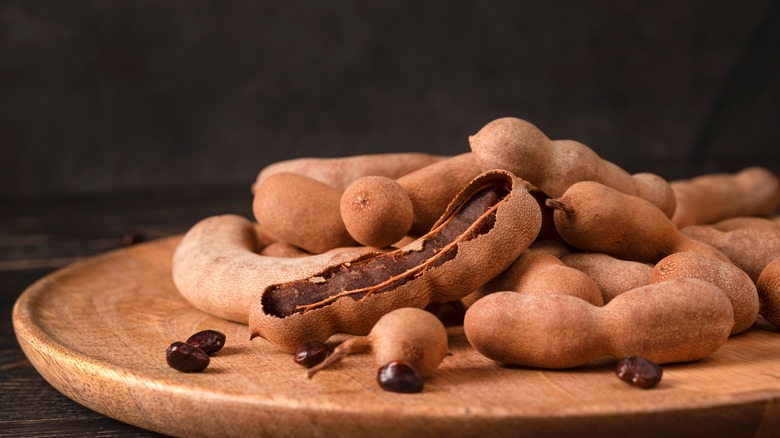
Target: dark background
(102,96)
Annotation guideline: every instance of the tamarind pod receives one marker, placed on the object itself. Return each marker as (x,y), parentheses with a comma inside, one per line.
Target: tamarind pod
(431,188)
(539,270)
(709,198)
(301,211)
(283,250)
(554,165)
(750,248)
(734,282)
(217,268)
(768,286)
(340,172)
(679,320)
(594,217)
(740,222)
(486,226)
(612,275)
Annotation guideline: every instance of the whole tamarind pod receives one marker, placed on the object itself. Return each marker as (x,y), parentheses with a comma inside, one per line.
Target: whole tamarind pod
(217,267)
(340,172)
(736,223)
(409,334)
(486,226)
(553,165)
(593,217)
(734,282)
(705,199)
(431,188)
(679,320)
(539,270)
(283,249)
(612,275)
(376,211)
(301,211)
(424,194)
(750,248)
(768,286)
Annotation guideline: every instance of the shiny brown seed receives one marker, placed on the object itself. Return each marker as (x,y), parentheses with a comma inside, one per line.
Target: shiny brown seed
(210,341)
(639,371)
(399,376)
(186,358)
(311,353)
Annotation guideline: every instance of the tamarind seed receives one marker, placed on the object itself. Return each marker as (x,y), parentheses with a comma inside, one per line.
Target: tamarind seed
(399,376)
(186,358)
(639,371)
(311,353)
(131,238)
(210,341)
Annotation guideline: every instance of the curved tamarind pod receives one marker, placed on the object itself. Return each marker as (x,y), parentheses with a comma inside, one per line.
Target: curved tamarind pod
(706,199)
(340,172)
(734,282)
(768,286)
(612,275)
(679,320)
(593,217)
(216,266)
(553,165)
(750,248)
(483,230)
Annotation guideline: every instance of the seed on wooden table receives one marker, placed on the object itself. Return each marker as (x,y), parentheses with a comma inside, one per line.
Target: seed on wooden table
(311,353)
(210,341)
(186,358)
(399,376)
(639,371)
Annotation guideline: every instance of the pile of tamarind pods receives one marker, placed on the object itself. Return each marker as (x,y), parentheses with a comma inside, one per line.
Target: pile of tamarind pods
(558,256)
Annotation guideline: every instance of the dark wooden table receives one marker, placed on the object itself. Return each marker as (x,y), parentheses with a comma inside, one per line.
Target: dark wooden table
(40,236)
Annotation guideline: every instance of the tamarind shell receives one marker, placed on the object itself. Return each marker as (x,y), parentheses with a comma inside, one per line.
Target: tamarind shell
(217,266)
(290,313)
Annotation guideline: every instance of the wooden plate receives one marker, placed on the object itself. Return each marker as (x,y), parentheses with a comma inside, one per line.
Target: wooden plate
(98,330)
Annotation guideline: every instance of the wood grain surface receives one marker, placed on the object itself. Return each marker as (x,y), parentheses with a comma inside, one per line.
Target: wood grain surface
(98,329)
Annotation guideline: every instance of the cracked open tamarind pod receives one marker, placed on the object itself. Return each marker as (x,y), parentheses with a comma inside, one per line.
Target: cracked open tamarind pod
(217,266)
(488,224)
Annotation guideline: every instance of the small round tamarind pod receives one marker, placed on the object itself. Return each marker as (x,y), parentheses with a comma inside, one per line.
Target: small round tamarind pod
(480,234)
(218,269)
(408,334)
(679,320)
(432,188)
(539,270)
(553,165)
(768,286)
(750,248)
(593,217)
(340,172)
(709,198)
(734,282)
(301,211)
(612,275)
(376,211)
